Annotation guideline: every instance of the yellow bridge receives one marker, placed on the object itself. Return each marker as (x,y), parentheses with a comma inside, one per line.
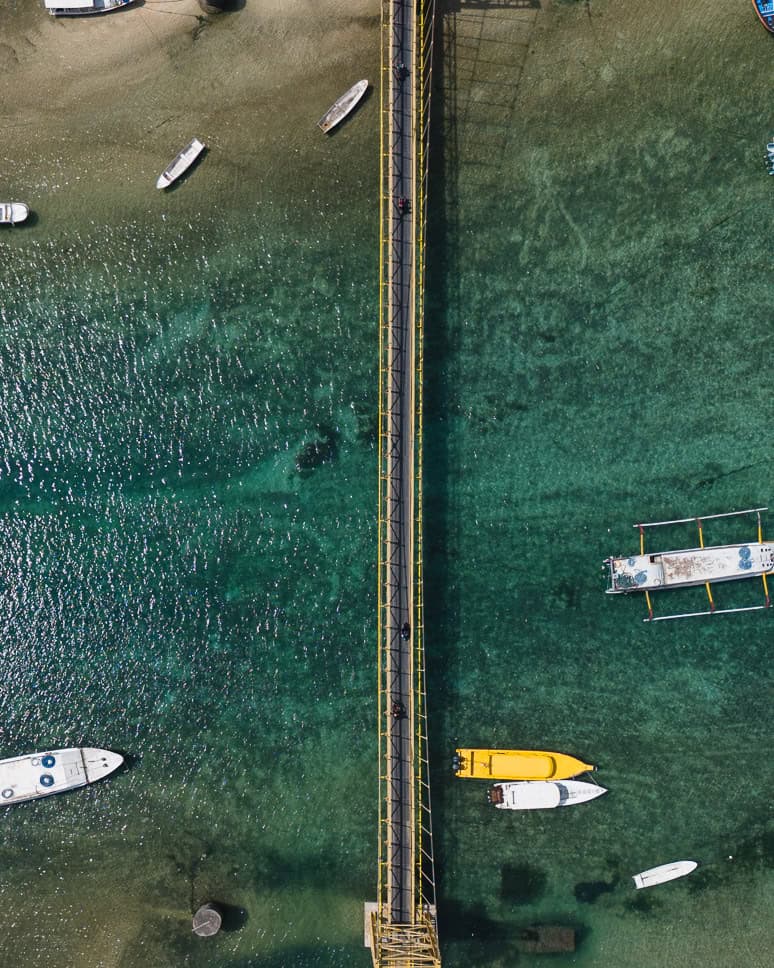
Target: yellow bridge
(403,920)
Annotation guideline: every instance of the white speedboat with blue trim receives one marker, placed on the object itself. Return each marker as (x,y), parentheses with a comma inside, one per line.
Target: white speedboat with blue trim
(542,795)
(41,774)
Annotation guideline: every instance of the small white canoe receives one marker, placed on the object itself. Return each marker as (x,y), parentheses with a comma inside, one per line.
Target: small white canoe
(181,163)
(41,774)
(666,872)
(543,795)
(11,213)
(345,104)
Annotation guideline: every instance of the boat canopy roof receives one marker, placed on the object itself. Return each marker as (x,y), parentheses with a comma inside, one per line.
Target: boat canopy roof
(531,796)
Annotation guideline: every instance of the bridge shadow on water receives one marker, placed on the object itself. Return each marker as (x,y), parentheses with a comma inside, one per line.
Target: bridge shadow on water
(477,73)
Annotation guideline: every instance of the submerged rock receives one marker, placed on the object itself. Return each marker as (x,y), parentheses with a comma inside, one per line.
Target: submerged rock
(587,892)
(318,452)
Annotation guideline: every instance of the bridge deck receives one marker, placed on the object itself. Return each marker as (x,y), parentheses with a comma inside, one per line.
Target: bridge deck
(404,925)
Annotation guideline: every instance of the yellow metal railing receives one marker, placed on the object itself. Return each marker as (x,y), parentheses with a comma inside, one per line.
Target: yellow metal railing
(414,944)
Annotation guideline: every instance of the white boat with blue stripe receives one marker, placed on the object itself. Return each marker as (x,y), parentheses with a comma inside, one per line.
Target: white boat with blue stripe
(41,774)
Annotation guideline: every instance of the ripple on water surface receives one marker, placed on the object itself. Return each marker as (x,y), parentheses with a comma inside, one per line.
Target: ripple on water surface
(183,582)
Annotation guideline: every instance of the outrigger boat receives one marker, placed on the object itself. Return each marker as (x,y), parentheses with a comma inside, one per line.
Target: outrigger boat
(693,566)
(765,11)
(663,873)
(542,794)
(517,765)
(342,107)
(41,774)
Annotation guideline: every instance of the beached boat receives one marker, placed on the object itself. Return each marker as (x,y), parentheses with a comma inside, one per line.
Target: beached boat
(41,774)
(11,213)
(344,106)
(517,765)
(181,163)
(542,794)
(765,11)
(691,567)
(77,8)
(665,872)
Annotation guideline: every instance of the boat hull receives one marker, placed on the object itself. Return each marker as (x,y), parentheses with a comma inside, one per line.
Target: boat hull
(663,873)
(543,795)
(181,163)
(70,8)
(689,567)
(12,213)
(345,105)
(765,11)
(37,775)
(480,764)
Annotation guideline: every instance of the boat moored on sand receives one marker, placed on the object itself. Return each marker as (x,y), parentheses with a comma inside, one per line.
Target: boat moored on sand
(542,794)
(343,106)
(664,872)
(11,213)
(181,163)
(481,764)
(691,567)
(41,774)
(77,8)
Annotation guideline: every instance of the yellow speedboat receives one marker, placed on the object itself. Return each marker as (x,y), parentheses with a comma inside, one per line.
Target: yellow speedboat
(517,765)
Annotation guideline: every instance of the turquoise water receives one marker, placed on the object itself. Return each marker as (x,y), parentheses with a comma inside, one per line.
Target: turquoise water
(174,587)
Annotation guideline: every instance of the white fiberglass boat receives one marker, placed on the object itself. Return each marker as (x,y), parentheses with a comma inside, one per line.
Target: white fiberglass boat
(11,213)
(181,163)
(76,8)
(41,774)
(543,795)
(343,106)
(666,872)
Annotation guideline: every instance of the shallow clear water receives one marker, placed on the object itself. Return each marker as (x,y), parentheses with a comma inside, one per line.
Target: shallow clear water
(174,587)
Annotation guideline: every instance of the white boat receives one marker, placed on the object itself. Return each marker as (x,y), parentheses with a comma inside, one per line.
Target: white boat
(666,872)
(11,213)
(182,163)
(41,774)
(341,108)
(76,8)
(690,566)
(543,795)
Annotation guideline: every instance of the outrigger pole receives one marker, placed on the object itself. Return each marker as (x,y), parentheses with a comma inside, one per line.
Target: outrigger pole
(706,517)
(712,609)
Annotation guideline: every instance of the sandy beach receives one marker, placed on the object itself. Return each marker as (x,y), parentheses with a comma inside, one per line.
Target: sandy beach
(99,105)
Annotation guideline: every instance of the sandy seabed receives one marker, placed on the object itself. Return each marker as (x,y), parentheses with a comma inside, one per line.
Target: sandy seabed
(93,108)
